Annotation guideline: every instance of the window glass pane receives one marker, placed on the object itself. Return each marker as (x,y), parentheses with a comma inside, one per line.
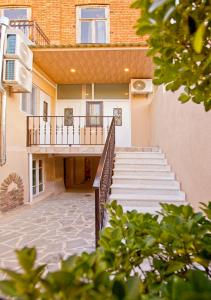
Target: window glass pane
(16,14)
(112,91)
(86,32)
(34,177)
(100,32)
(40,187)
(34,190)
(40,176)
(94,109)
(88,91)
(93,13)
(40,163)
(24,101)
(34,164)
(69,91)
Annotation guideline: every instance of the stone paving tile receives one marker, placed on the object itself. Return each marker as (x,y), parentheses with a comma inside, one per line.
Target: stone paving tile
(58,227)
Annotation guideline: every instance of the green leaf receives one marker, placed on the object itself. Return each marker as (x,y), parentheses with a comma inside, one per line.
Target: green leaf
(174,266)
(184,98)
(156,4)
(118,289)
(8,288)
(26,258)
(198,40)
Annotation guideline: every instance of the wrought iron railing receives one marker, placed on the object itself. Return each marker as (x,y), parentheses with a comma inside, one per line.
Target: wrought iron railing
(103,180)
(32,30)
(69,130)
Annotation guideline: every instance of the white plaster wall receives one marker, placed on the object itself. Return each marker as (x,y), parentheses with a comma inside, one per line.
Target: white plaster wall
(183,131)
(123,133)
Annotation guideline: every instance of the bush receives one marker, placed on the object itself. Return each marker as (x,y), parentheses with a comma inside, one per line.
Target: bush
(141,256)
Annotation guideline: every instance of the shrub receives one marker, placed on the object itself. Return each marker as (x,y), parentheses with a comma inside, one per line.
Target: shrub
(140,256)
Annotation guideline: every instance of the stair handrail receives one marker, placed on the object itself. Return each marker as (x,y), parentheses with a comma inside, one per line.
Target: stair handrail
(103,180)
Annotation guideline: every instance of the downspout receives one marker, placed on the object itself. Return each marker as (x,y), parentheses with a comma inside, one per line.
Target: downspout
(4,23)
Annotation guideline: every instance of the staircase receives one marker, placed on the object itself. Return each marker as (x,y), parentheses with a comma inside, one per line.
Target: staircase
(142,179)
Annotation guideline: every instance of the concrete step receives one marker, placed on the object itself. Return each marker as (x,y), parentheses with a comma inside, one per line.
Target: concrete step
(134,160)
(148,180)
(144,189)
(136,200)
(143,172)
(138,149)
(145,209)
(142,166)
(140,155)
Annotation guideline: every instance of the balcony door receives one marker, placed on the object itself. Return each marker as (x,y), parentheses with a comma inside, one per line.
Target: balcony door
(94,114)
(45,122)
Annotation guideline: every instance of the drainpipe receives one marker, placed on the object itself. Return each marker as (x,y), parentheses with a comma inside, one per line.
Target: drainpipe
(4,23)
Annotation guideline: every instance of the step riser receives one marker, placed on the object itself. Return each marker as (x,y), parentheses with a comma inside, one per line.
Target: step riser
(137,191)
(138,149)
(142,167)
(143,173)
(146,181)
(142,155)
(152,161)
(148,203)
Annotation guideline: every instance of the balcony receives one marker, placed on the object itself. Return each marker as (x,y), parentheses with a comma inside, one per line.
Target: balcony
(67,131)
(32,30)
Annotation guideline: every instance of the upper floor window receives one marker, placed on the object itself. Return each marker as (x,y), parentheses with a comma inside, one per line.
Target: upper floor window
(93,25)
(17,13)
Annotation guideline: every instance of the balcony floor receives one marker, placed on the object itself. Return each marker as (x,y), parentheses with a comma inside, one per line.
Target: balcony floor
(66,150)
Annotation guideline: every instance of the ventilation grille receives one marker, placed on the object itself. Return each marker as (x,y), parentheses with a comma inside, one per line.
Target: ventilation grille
(11,43)
(10,70)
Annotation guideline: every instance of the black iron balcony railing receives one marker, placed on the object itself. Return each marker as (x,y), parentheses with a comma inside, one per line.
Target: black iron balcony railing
(32,30)
(103,180)
(69,130)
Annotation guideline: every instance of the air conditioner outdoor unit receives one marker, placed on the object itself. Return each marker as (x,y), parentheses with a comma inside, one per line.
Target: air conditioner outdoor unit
(16,47)
(16,76)
(141,86)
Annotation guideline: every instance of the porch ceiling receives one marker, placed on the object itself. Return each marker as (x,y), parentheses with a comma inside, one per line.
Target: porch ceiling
(98,65)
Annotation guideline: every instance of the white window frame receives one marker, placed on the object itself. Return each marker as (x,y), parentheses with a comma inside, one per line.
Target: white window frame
(37,186)
(29,102)
(28,9)
(79,19)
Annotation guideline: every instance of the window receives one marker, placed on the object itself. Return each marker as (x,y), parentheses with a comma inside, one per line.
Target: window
(74,91)
(18,13)
(37,177)
(28,102)
(112,91)
(92,25)
(94,112)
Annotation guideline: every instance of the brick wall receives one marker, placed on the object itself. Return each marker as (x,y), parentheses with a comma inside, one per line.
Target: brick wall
(58,18)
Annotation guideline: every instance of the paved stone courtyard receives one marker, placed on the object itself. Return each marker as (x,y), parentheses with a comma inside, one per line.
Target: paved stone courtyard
(59,226)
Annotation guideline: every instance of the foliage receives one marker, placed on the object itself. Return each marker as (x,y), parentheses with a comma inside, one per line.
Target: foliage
(180,43)
(141,257)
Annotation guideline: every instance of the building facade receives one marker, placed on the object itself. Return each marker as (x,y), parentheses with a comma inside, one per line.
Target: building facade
(86,55)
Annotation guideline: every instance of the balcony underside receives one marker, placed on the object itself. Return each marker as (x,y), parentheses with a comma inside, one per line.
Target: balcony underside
(67,151)
(94,64)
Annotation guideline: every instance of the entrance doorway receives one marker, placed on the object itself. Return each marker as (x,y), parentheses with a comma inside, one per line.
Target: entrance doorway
(79,172)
